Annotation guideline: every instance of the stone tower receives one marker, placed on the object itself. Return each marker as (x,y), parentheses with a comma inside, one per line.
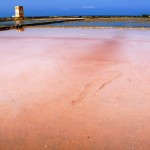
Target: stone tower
(19,12)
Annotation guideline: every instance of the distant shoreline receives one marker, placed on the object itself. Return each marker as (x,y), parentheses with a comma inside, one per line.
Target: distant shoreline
(85,17)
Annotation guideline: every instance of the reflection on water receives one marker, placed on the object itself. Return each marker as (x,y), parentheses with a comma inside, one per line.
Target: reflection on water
(12,23)
(20,29)
(19,22)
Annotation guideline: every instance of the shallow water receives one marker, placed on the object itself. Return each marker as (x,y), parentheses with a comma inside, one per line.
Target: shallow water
(133,24)
(12,23)
(105,24)
(74,89)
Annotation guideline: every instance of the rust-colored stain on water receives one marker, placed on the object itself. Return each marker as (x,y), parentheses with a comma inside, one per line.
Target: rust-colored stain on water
(75,89)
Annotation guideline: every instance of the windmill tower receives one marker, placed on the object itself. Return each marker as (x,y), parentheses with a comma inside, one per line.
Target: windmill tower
(19,12)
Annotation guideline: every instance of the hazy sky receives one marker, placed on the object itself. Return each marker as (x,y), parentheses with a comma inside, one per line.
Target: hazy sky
(76,7)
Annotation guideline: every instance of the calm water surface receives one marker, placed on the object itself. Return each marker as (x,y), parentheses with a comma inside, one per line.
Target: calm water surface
(82,23)
(104,24)
(11,23)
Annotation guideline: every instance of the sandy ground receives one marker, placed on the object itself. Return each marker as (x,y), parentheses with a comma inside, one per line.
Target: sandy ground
(75,89)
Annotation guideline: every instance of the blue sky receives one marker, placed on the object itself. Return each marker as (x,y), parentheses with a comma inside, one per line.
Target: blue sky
(76,7)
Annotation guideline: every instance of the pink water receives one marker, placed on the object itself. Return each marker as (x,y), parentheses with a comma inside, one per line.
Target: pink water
(75,89)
